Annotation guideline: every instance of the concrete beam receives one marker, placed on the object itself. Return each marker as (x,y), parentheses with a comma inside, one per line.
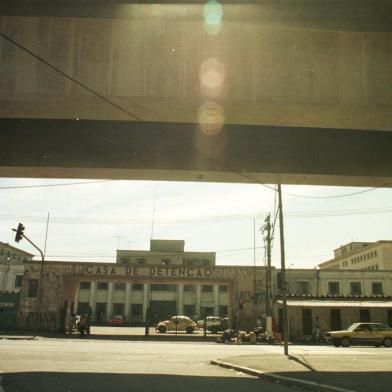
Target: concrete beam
(181,151)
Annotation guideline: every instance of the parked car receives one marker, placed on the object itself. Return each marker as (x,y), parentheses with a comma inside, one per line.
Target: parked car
(117,320)
(177,323)
(361,333)
(214,324)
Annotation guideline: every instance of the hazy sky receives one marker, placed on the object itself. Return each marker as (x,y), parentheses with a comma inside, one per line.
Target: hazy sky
(88,221)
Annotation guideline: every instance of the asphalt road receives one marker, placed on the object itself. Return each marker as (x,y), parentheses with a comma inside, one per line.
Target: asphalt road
(83,365)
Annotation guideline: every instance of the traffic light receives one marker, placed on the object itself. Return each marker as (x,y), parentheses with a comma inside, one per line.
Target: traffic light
(19,232)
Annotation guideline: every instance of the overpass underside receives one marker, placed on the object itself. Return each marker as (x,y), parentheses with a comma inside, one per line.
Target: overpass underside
(263,91)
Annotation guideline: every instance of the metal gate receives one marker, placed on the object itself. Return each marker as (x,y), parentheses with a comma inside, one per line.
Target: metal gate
(9,308)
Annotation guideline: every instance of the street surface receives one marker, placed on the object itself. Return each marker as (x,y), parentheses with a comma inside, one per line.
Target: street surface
(84,365)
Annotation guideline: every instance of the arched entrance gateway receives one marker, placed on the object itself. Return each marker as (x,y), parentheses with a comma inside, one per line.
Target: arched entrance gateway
(138,292)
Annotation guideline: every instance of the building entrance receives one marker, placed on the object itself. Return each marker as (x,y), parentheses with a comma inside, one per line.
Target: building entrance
(162,310)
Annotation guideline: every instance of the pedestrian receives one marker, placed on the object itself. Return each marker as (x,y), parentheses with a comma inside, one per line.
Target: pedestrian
(82,325)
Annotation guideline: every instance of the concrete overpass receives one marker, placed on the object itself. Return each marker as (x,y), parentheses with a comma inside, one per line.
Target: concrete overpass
(290,91)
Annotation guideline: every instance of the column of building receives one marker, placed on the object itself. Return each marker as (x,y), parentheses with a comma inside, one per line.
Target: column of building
(127,301)
(198,291)
(146,302)
(93,289)
(216,300)
(109,305)
(180,301)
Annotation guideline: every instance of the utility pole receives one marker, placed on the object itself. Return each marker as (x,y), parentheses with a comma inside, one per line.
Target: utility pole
(268,239)
(283,274)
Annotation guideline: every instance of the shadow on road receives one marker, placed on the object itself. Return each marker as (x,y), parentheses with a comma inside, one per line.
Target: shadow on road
(104,382)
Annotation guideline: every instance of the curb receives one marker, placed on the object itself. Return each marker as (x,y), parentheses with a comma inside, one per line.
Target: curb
(283,379)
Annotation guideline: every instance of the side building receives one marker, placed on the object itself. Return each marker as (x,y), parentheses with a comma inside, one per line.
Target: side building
(368,256)
(12,266)
(333,299)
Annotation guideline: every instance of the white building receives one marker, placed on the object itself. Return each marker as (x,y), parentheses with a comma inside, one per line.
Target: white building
(361,256)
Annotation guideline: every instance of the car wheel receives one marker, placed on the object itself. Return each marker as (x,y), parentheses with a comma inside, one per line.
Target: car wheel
(387,342)
(336,343)
(162,329)
(189,329)
(346,342)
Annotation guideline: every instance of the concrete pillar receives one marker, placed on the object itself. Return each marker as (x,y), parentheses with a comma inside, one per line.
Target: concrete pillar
(76,298)
(93,290)
(109,305)
(146,301)
(198,290)
(180,296)
(10,281)
(127,300)
(216,300)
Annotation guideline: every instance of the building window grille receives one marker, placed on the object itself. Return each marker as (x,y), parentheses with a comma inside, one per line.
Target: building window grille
(120,286)
(223,289)
(118,308)
(84,285)
(18,281)
(206,288)
(333,288)
(137,287)
(102,285)
(33,288)
(377,288)
(355,288)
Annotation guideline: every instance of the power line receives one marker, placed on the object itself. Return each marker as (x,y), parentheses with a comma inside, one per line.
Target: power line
(313,197)
(53,185)
(62,73)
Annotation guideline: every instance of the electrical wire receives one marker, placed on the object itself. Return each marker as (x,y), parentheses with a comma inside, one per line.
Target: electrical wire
(53,185)
(77,82)
(254,181)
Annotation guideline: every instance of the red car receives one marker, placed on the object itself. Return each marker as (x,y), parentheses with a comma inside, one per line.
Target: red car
(117,320)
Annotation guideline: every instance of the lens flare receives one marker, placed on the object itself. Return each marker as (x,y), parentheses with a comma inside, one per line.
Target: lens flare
(212,13)
(212,77)
(211,118)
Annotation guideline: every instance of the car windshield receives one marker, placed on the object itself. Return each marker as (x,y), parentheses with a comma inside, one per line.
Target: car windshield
(352,327)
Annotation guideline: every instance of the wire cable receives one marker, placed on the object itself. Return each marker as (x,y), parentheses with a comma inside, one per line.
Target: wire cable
(77,82)
(313,197)
(53,185)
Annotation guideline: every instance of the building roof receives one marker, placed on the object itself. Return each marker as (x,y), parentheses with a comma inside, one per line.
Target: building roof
(337,304)
(15,249)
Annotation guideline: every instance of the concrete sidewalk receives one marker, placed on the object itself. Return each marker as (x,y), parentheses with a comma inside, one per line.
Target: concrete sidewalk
(320,372)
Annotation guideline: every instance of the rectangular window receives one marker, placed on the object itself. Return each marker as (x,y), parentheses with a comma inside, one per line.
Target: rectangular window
(333,288)
(223,289)
(18,281)
(375,253)
(189,287)
(377,288)
(355,288)
(84,285)
(83,307)
(163,287)
(137,287)
(206,288)
(141,261)
(120,286)
(303,287)
(223,311)
(136,309)
(33,288)
(124,260)
(118,309)
(189,310)
(102,285)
